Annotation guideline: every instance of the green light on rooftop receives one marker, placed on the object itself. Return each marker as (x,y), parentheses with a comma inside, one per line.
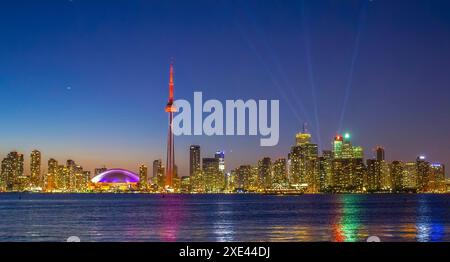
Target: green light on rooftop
(347,136)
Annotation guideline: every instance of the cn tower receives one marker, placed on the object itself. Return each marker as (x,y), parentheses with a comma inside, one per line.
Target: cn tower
(170,108)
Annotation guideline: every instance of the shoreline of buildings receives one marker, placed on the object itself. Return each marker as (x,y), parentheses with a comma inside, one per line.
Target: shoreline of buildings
(339,170)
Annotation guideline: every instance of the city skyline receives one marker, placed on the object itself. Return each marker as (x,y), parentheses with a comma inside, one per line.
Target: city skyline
(193,152)
(92,84)
(341,169)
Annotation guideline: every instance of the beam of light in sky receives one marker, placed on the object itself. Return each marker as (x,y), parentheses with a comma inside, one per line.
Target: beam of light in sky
(348,88)
(271,75)
(273,59)
(310,71)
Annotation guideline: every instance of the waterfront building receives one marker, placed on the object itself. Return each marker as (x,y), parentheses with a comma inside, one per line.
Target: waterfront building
(265,173)
(194,159)
(410,176)
(52,170)
(373,175)
(325,171)
(280,178)
(143,177)
(213,178)
(304,164)
(35,169)
(397,171)
(386,180)
(437,178)
(12,175)
(241,178)
(423,174)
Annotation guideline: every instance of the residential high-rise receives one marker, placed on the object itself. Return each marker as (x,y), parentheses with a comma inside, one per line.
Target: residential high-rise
(410,176)
(70,179)
(35,168)
(325,169)
(12,173)
(280,179)
(214,179)
(194,159)
(385,174)
(397,171)
(157,164)
(265,173)
(437,178)
(63,178)
(52,170)
(423,174)
(242,178)
(373,175)
(143,177)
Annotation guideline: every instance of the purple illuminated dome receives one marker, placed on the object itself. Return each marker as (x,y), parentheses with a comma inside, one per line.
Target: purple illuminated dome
(116,176)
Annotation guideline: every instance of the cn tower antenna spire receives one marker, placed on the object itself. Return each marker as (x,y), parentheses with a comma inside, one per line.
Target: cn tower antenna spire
(171,82)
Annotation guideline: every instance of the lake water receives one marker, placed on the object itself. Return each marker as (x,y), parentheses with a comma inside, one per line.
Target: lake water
(148,217)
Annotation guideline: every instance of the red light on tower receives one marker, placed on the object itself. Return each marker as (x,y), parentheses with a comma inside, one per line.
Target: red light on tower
(338,138)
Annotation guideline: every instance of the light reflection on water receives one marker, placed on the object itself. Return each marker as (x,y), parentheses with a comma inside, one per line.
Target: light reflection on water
(133,217)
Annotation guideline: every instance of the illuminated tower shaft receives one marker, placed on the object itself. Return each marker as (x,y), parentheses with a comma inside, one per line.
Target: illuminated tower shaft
(170,108)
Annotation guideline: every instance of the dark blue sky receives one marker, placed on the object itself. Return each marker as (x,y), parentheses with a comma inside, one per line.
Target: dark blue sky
(87,79)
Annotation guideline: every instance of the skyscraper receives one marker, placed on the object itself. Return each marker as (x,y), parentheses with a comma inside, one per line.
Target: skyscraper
(143,177)
(437,178)
(410,176)
(242,177)
(214,179)
(35,168)
(194,159)
(157,164)
(397,170)
(304,163)
(52,170)
(380,153)
(70,179)
(265,173)
(423,174)
(373,175)
(337,146)
(170,109)
(325,171)
(220,155)
(12,175)
(280,179)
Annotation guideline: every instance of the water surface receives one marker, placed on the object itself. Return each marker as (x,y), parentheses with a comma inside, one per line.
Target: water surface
(148,217)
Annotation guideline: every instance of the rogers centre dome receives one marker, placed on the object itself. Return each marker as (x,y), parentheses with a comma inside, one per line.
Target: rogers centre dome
(116,176)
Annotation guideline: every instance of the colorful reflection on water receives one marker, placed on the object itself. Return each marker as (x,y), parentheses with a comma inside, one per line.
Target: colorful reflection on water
(134,217)
(346,224)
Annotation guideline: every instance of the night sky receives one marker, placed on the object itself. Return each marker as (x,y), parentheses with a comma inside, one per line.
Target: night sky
(87,79)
